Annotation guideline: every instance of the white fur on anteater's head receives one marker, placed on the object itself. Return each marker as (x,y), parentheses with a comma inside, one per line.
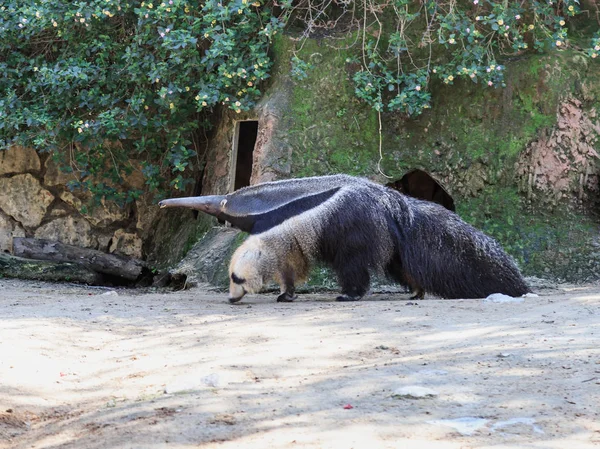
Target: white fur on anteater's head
(252,265)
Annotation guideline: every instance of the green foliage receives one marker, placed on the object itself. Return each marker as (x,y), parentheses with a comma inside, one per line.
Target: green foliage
(405,44)
(300,68)
(594,50)
(102,82)
(320,278)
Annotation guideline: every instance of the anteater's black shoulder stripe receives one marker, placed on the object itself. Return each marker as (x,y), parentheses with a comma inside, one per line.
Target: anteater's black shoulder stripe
(255,224)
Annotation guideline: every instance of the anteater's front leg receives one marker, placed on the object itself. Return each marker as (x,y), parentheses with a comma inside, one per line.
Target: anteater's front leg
(287,279)
(287,295)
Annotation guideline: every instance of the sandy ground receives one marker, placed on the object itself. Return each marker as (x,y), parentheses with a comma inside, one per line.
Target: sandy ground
(87,370)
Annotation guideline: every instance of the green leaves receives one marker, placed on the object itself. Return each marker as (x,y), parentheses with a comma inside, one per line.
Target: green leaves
(300,68)
(593,51)
(133,76)
(410,43)
(109,79)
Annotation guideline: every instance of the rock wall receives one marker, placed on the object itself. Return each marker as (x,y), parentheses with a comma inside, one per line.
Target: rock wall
(218,161)
(272,154)
(562,164)
(35,202)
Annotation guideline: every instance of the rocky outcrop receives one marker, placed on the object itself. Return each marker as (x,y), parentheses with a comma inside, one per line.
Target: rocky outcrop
(208,260)
(564,163)
(8,229)
(272,153)
(54,176)
(36,201)
(70,230)
(218,160)
(19,160)
(101,214)
(126,243)
(24,199)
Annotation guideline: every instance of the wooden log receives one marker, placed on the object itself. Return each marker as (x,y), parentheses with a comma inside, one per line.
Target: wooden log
(112,264)
(43,270)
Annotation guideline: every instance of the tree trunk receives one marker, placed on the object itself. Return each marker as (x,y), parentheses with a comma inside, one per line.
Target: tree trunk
(41,270)
(41,249)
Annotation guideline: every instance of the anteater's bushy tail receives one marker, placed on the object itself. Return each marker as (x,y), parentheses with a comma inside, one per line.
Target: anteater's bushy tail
(447,257)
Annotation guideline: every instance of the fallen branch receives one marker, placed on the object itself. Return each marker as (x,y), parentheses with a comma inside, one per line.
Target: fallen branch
(42,270)
(111,264)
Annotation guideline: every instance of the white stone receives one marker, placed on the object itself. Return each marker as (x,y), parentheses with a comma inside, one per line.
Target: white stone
(110,293)
(433,372)
(212,380)
(414,392)
(24,199)
(516,421)
(191,383)
(502,298)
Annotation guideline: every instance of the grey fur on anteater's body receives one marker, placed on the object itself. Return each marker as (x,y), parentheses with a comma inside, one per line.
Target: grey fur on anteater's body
(358,228)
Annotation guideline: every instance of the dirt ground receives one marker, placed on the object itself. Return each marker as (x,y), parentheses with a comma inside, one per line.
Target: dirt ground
(87,368)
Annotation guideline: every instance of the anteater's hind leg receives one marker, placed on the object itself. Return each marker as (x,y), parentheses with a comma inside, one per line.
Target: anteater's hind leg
(395,272)
(398,274)
(415,288)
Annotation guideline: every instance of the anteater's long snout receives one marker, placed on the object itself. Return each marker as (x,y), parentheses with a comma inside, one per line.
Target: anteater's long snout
(212,204)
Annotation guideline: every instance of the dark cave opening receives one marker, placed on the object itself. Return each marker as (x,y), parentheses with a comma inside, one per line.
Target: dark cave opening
(421,185)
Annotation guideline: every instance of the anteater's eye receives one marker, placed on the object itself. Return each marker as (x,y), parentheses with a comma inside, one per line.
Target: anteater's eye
(236,279)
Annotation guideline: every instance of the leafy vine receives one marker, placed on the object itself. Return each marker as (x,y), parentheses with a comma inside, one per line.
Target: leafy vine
(405,44)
